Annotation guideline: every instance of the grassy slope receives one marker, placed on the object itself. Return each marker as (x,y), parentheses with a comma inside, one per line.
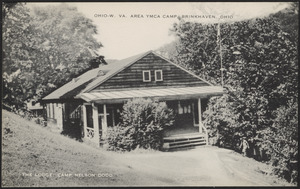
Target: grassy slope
(29,148)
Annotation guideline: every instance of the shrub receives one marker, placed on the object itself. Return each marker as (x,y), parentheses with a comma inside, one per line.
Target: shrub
(281,142)
(142,125)
(221,121)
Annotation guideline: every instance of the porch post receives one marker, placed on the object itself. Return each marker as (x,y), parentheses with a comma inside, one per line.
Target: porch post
(84,120)
(96,123)
(113,117)
(104,123)
(59,116)
(199,115)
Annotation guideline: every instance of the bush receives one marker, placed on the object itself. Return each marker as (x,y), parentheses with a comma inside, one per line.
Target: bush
(221,121)
(281,142)
(142,125)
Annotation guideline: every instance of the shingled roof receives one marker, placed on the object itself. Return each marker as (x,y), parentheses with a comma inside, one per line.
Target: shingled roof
(92,77)
(95,77)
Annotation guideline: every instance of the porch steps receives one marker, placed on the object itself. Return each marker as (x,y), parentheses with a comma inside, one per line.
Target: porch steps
(177,142)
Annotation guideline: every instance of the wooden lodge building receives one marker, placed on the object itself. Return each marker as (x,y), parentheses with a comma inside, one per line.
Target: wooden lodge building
(92,102)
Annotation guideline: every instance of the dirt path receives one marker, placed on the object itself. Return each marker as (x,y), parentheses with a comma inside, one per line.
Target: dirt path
(204,166)
(28,148)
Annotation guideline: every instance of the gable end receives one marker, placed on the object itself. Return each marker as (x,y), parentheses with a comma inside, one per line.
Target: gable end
(132,76)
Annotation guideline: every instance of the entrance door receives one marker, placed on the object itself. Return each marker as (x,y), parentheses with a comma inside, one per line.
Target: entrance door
(184,116)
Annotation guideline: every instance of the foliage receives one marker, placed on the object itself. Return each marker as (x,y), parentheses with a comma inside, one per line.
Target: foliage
(42,49)
(16,29)
(169,50)
(281,140)
(143,121)
(260,77)
(221,120)
(287,19)
(197,48)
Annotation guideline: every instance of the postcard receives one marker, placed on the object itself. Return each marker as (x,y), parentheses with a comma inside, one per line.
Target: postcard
(149,94)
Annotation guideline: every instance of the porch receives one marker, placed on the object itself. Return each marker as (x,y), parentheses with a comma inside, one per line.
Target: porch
(97,118)
(102,110)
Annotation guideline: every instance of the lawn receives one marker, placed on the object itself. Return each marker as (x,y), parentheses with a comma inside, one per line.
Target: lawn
(34,156)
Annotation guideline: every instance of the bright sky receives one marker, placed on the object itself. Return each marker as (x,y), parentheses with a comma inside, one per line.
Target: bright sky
(126,36)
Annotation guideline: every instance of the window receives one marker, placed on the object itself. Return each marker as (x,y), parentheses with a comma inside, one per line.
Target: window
(158,75)
(147,76)
(89,116)
(184,108)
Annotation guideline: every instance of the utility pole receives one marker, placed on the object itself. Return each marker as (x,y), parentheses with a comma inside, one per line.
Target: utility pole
(220,47)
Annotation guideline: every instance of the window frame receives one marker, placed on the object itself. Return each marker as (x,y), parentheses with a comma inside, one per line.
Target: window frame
(161,73)
(146,71)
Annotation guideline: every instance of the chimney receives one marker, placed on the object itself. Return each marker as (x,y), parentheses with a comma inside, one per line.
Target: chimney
(95,62)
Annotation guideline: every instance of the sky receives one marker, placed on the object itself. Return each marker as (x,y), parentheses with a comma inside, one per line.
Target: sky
(127,29)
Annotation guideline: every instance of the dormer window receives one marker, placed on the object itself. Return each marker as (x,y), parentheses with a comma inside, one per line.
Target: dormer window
(158,75)
(147,76)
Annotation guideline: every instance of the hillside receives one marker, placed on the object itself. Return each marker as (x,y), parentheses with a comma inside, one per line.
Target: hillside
(31,153)
(34,156)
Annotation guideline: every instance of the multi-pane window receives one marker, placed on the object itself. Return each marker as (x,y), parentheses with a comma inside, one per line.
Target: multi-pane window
(184,108)
(147,76)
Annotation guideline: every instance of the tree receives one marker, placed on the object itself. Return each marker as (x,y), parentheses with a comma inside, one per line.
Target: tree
(260,77)
(169,50)
(281,140)
(288,19)
(197,49)
(66,38)
(15,51)
(43,49)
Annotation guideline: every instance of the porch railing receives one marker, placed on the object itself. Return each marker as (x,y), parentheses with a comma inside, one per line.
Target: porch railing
(90,132)
(206,133)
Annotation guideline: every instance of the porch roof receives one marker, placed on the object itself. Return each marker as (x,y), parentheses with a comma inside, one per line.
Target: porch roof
(157,93)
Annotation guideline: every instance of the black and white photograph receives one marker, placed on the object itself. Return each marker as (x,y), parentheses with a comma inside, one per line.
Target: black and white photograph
(163,94)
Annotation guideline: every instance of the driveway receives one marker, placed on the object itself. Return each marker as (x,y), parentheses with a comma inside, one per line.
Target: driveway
(203,166)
